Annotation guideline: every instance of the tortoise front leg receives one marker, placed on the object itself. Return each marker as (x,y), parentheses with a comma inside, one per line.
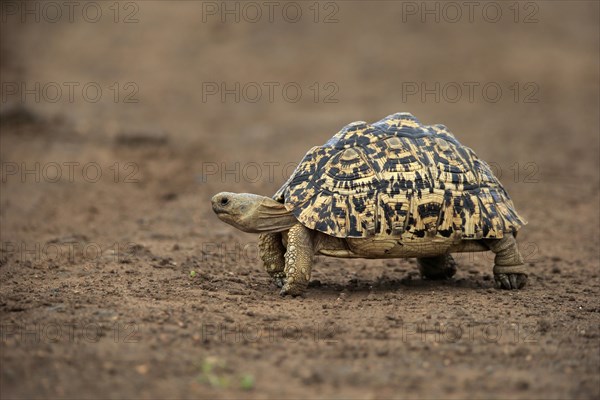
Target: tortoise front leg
(272,254)
(509,267)
(298,260)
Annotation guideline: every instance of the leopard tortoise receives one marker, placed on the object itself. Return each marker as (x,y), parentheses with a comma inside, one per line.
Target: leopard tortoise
(392,189)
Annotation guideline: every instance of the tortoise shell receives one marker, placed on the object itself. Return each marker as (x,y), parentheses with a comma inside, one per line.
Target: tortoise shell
(397,177)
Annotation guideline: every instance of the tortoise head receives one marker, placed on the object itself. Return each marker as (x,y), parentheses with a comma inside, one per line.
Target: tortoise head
(252,213)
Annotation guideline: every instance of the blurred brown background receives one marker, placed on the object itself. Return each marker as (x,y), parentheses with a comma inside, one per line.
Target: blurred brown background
(178,118)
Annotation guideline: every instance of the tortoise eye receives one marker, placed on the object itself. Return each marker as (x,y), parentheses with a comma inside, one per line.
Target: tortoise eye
(224,201)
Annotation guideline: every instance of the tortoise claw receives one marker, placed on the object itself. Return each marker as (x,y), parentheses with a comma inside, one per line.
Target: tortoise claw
(292,290)
(279,281)
(510,281)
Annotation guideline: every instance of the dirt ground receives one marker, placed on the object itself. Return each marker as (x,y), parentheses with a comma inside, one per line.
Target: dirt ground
(118,281)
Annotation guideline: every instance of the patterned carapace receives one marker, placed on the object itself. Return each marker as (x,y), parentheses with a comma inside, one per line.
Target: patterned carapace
(399,178)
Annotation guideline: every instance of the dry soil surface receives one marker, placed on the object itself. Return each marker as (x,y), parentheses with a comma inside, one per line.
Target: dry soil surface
(117,280)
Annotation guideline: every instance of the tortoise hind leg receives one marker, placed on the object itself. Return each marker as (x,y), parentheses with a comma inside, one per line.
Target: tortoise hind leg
(437,268)
(509,267)
(272,254)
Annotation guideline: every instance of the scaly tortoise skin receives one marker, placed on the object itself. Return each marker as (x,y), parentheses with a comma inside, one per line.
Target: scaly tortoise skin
(391,189)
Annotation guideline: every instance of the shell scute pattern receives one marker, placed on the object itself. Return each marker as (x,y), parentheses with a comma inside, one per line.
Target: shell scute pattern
(398,177)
